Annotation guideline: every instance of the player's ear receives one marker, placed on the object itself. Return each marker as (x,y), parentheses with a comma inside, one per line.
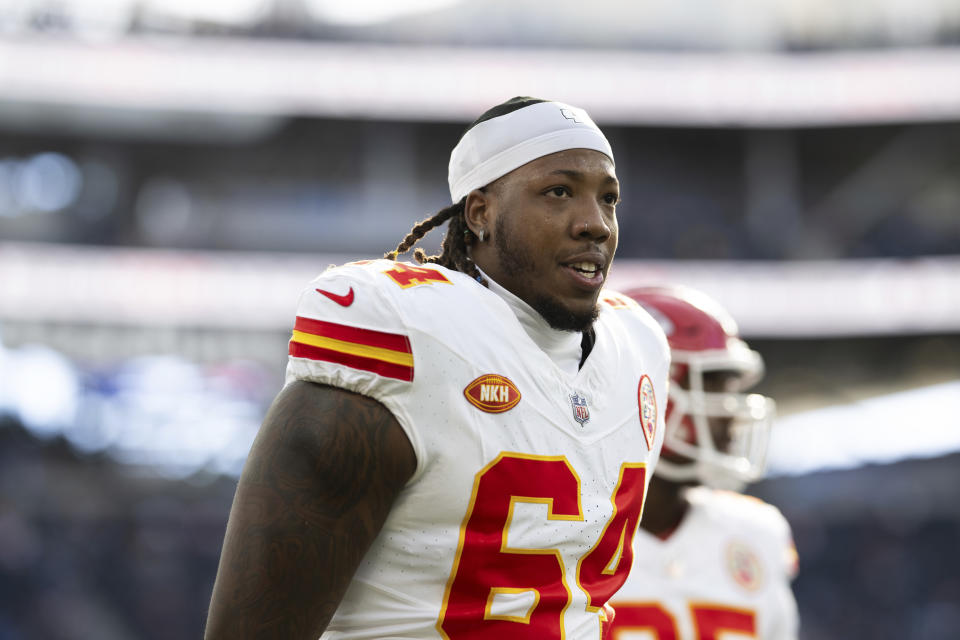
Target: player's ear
(477,212)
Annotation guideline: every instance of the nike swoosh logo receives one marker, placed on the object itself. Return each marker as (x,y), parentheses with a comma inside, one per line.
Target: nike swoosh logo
(343,301)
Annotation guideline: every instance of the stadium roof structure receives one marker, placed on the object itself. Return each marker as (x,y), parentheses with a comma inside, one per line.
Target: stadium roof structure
(236,85)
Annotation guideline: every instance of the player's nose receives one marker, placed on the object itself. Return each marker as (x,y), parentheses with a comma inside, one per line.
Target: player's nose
(591,222)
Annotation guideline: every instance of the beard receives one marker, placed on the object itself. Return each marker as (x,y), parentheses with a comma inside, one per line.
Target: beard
(515,262)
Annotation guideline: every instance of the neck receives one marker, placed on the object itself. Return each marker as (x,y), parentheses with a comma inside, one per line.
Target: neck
(666,506)
(563,347)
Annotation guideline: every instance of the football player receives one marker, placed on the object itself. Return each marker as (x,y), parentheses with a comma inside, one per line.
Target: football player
(709,563)
(455,452)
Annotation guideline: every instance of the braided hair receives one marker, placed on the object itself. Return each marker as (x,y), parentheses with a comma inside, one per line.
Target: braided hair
(454,253)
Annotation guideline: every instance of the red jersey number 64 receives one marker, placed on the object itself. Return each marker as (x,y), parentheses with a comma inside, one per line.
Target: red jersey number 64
(486,566)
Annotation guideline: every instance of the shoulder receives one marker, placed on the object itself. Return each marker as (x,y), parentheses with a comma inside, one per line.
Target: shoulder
(738,510)
(368,316)
(626,317)
(379,291)
(345,299)
(386,275)
(360,327)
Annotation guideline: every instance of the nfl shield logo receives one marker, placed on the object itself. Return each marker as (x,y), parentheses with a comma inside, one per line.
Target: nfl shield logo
(581,412)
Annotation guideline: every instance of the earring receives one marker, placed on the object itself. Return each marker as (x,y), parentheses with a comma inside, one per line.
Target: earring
(481,235)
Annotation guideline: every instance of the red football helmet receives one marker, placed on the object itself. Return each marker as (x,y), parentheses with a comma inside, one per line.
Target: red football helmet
(715,433)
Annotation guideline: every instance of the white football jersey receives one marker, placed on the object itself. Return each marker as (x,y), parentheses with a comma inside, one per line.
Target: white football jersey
(519,518)
(724,573)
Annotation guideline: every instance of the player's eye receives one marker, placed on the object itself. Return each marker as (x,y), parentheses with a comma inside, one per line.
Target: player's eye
(612,198)
(559,191)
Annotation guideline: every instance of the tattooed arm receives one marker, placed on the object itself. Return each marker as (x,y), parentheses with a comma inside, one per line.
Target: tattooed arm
(321,477)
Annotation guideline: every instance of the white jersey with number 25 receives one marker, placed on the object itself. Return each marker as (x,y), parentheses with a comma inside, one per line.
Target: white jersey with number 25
(723,574)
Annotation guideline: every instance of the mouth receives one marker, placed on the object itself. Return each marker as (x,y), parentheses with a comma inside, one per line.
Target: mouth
(586,271)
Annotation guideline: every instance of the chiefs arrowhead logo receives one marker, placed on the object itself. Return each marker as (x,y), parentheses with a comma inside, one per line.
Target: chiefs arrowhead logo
(648,409)
(492,393)
(744,566)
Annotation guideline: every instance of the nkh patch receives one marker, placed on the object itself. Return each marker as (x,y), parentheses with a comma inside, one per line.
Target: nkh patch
(492,393)
(581,412)
(647,401)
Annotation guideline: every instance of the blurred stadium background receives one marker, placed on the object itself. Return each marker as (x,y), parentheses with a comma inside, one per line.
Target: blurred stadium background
(172,172)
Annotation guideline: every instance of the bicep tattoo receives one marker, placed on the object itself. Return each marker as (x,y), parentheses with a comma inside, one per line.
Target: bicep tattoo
(315,491)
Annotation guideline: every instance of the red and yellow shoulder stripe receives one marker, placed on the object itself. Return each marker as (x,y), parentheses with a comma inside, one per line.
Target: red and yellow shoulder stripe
(387,354)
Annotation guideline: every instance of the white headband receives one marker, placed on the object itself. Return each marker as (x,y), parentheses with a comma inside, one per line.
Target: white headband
(497,146)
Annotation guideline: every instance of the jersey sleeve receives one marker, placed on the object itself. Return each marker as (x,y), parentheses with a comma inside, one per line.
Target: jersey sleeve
(348,334)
